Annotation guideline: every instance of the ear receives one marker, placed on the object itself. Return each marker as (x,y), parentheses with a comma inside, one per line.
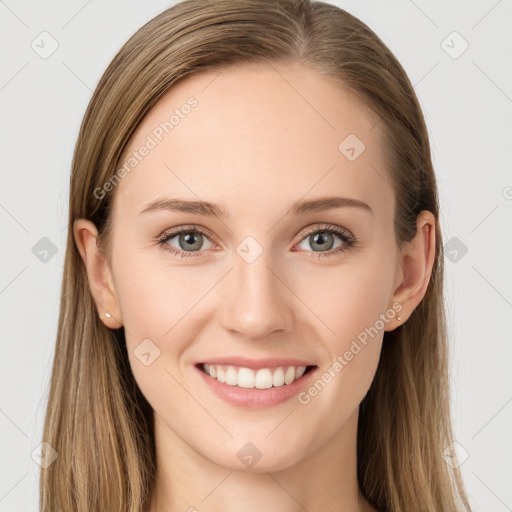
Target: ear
(98,273)
(414,268)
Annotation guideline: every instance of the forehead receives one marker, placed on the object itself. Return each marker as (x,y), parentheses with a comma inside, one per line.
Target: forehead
(254,136)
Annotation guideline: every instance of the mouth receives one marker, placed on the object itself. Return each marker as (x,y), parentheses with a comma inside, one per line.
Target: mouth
(256,378)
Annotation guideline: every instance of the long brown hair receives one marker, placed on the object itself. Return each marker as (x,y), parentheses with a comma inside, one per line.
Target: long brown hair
(97,420)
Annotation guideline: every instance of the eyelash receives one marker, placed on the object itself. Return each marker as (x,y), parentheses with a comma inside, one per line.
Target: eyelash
(348,239)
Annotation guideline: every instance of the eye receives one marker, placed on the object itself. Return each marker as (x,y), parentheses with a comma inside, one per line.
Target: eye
(188,240)
(324,239)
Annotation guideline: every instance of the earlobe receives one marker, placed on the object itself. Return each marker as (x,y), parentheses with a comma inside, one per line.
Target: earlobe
(417,259)
(98,273)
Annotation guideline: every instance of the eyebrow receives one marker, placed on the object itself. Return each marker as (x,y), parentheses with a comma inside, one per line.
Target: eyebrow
(212,210)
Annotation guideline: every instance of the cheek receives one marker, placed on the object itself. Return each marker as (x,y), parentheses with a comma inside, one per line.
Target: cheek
(350,302)
(347,298)
(161,305)
(154,297)
(151,309)
(154,306)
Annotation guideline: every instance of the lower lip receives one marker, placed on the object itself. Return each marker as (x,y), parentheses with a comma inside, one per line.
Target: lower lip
(254,398)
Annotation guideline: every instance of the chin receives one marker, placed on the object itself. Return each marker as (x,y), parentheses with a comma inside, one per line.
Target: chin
(252,459)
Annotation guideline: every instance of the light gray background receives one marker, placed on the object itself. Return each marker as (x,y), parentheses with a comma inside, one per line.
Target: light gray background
(467,102)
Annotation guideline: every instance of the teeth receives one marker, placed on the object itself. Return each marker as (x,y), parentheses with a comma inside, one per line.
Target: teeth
(246,378)
(263,378)
(231,376)
(289,376)
(278,378)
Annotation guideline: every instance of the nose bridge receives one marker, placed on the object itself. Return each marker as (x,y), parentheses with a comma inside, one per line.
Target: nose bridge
(258,301)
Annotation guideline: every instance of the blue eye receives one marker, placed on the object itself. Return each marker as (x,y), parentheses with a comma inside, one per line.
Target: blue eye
(190,240)
(187,238)
(324,238)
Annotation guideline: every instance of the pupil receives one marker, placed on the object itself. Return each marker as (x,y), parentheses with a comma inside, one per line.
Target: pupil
(319,236)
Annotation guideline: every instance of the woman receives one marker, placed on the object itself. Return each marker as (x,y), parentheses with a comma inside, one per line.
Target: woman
(252,307)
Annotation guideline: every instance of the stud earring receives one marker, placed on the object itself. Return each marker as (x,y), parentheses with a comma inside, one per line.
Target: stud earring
(107,315)
(398,318)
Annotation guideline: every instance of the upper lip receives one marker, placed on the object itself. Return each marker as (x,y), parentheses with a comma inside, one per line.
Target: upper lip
(255,364)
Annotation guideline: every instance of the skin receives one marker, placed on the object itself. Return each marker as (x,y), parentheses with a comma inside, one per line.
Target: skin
(261,138)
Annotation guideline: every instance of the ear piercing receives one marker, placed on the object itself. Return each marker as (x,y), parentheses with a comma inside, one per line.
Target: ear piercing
(107,315)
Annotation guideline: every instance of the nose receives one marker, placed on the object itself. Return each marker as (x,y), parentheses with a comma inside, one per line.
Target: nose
(257,300)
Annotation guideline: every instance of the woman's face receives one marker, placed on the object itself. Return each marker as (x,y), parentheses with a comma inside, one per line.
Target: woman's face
(264,279)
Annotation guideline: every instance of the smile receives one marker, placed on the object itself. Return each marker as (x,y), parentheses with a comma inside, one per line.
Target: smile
(255,388)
